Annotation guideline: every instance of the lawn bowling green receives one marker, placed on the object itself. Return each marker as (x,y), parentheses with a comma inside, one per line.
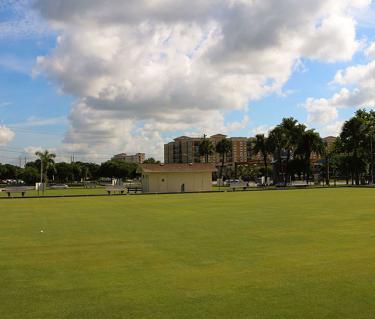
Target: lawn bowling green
(273,254)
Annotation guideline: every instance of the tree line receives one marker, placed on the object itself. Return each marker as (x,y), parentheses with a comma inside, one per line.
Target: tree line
(45,168)
(290,151)
(293,151)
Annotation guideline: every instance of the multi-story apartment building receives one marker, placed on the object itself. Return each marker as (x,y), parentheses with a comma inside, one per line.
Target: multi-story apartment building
(185,149)
(138,158)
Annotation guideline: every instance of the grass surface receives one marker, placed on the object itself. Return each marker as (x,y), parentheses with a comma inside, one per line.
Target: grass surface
(277,254)
(60,192)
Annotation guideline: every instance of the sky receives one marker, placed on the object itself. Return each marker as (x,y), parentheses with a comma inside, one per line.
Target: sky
(93,78)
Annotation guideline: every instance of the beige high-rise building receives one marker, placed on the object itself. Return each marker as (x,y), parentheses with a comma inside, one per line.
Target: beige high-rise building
(138,158)
(185,149)
(240,150)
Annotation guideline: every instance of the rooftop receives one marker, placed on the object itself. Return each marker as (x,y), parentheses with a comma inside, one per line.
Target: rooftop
(164,168)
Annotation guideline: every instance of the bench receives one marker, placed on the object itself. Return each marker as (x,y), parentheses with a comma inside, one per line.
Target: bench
(301,186)
(240,185)
(15,190)
(134,190)
(89,184)
(116,189)
(59,187)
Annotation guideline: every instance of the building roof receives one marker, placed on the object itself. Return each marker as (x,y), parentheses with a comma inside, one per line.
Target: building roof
(182,138)
(167,168)
(121,154)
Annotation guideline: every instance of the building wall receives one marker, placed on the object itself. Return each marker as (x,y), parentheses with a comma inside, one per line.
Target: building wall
(138,158)
(171,182)
(186,150)
(239,150)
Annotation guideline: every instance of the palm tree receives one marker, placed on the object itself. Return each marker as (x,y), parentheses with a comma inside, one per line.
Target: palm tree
(353,137)
(277,144)
(206,148)
(292,133)
(369,120)
(46,161)
(310,142)
(223,147)
(262,146)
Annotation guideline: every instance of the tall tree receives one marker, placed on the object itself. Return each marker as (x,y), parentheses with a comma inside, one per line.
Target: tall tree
(223,147)
(277,144)
(353,138)
(206,148)
(368,117)
(262,146)
(309,142)
(292,133)
(47,160)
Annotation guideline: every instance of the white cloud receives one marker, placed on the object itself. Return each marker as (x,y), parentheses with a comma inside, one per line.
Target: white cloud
(141,67)
(262,129)
(358,91)
(370,50)
(6,135)
(238,125)
(332,129)
(31,150)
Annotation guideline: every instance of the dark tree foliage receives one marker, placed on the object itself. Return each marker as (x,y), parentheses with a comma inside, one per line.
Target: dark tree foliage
(118,169)
(151,160)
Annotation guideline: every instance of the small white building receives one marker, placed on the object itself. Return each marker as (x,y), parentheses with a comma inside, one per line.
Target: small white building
(176,178)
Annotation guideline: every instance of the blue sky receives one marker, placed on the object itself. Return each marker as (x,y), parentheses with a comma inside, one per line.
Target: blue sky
(46,107)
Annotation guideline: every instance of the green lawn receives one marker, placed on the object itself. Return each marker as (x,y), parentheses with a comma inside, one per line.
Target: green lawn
(274,254)
(61,192)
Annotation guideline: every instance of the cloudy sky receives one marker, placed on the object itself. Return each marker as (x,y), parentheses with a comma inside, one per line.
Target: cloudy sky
(93,77)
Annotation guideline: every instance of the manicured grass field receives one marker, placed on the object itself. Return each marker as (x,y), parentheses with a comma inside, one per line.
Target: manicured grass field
(273,254)
(72,191)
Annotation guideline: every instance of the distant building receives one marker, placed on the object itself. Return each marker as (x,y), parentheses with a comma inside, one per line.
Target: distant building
(329,140)
(138,158)
(185,149)
(176,178)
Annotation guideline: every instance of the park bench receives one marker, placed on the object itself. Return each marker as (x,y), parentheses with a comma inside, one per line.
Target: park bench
(238,185)
(89,184)
(59,186)
(299,184)
(116,189)
(134,189)
(16,190)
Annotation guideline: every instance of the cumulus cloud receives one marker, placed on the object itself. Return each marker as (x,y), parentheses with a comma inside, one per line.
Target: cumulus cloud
(6,135)
(31,150)
(262,129)
(370,50)
(140,67)
(332,129)
(358,91)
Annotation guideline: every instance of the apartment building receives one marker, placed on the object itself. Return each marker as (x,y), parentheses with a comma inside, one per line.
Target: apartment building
(137,158)
(185,149)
